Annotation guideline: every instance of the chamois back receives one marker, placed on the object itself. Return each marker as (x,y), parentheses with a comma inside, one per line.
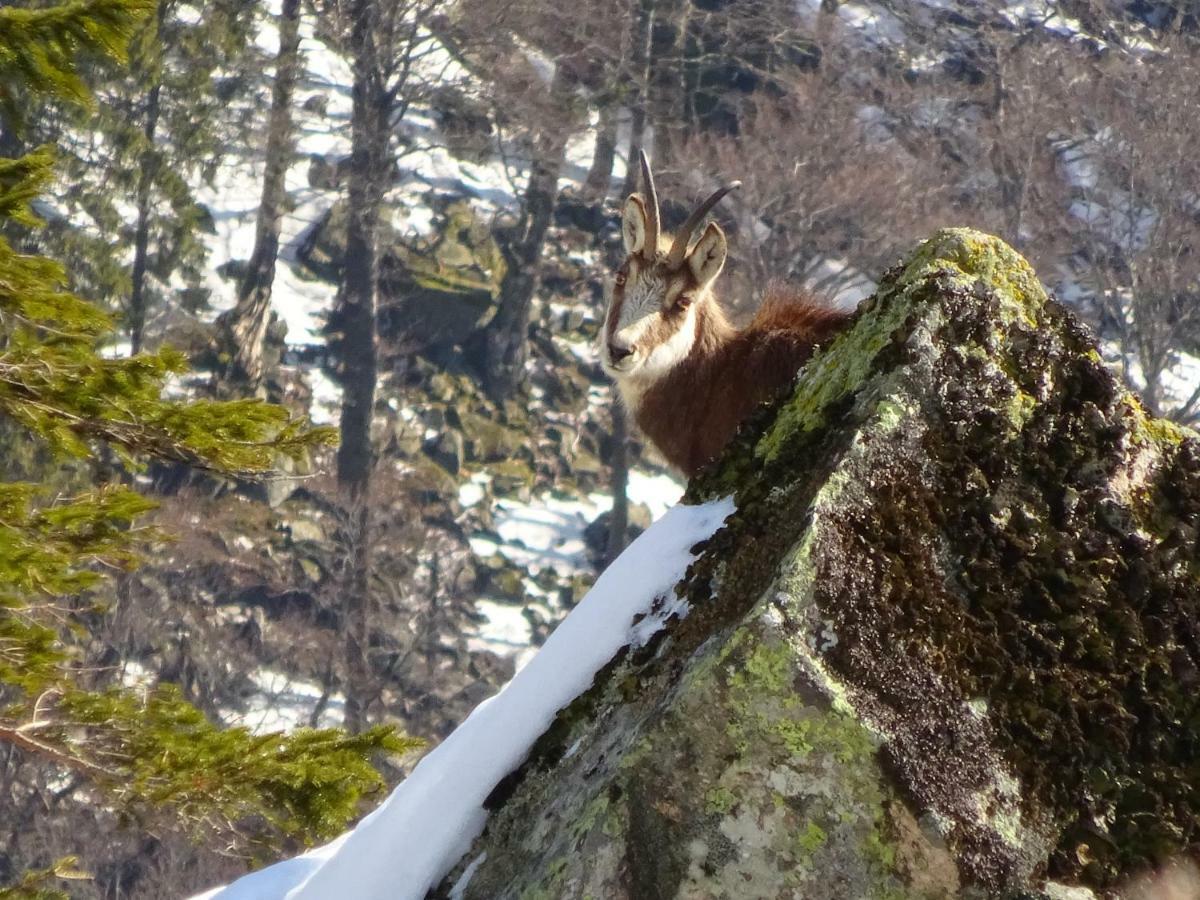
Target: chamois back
(694,410)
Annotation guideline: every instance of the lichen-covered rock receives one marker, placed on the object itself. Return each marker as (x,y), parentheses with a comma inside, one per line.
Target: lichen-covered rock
(948,645)
(435,290)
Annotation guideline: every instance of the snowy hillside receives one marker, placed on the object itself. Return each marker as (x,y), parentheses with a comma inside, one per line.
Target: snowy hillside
(539,534)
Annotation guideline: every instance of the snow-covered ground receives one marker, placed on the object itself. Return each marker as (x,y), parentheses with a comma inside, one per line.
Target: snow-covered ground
(283,703)
(409,843)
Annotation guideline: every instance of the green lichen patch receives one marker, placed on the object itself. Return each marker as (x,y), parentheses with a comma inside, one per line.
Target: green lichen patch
(975,258)
(1033,553)
(1015,562)
(954,258)
(1036,549)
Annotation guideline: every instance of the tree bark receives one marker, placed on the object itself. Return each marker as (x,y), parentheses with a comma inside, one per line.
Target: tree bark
(356,610)
(355,316)
(356,320)
(245,328)
(618,523)
(643,30)
(138,301)
(505,348)
(599,177)
(147,176)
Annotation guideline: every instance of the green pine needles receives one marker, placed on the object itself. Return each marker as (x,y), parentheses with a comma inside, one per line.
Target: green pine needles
(41,49)
(140,750)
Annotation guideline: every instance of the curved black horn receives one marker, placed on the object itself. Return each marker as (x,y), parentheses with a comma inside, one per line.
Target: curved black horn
(650,249)
(684,236)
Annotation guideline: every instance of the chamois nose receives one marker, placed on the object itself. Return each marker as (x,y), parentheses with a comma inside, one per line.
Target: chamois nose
(617,353)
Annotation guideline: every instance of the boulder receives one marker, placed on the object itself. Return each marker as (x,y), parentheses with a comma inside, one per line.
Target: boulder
(434,291)
(465,122)
(947,645)
(328,172)
(441,290)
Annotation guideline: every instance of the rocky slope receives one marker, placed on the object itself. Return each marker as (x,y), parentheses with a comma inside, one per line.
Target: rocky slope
(947,644)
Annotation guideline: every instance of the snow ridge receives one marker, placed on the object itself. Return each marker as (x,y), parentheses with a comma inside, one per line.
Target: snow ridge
(410,842)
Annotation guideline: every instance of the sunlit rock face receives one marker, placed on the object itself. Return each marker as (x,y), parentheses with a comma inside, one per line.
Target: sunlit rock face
(947,645)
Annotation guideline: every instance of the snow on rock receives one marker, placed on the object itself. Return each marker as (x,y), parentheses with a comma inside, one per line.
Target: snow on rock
(403,848)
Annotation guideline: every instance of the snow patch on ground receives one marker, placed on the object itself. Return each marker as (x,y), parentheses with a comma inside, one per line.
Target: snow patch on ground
(407,845)
(659,492)
(284,703)
(545,533)
(326,405)
(548,532)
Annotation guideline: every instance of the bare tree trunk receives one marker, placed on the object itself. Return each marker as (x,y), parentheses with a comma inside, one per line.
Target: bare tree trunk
(599,177)
(618,523)
(669,97)
(1011,170)
(506,341)
(643,30)
(138,302)
(356,609)
(356,320)
(245,328)
(147,175)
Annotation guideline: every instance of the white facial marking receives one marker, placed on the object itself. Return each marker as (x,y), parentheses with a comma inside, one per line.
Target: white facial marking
(641,308)
(673,351)
(643,301)
(637,379)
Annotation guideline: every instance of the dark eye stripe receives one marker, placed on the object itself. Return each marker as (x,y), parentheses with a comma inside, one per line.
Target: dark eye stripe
(614,312)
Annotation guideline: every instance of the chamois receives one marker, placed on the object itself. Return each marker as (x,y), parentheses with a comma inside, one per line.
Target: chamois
(685,373)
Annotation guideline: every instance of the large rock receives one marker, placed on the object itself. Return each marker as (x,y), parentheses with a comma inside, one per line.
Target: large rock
(435,290)
(948,645)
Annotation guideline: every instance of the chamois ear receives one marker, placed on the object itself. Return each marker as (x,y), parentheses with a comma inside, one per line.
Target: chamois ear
(708,255)
(633,224)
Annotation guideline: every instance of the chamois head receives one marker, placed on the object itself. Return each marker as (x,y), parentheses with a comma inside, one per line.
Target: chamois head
(650,324)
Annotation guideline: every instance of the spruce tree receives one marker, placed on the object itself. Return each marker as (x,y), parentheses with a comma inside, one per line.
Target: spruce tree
(162,125)
(138,750)
(244,328)
(388,44)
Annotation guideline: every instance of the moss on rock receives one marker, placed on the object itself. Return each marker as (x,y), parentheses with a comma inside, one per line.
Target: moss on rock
(946,645)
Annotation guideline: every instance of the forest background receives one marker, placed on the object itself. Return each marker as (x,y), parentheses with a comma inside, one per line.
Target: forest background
(221,635)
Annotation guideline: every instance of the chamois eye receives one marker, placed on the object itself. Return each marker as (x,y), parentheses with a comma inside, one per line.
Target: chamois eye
(620,279)
(684,301)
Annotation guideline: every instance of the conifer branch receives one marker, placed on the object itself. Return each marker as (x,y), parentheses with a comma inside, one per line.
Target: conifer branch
(19,737)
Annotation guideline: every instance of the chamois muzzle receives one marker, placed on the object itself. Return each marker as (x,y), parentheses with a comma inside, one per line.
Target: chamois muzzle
(617,353)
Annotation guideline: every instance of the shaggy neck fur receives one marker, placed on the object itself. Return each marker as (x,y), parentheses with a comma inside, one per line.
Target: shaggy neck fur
(691,403)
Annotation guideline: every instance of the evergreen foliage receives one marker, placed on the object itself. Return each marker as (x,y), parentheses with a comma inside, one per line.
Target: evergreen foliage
(142,749)
(40,49)
(164,122)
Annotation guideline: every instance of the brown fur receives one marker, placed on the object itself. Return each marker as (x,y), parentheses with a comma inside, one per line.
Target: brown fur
(694,410)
